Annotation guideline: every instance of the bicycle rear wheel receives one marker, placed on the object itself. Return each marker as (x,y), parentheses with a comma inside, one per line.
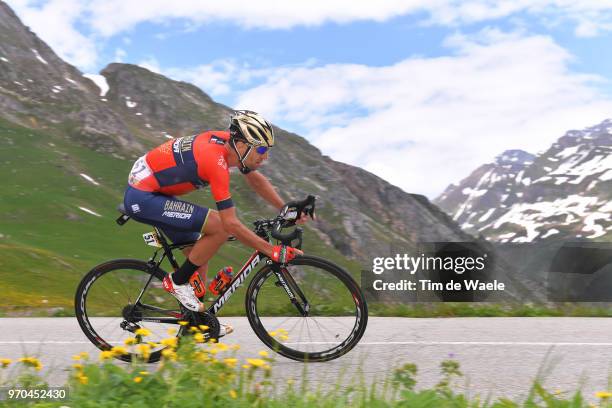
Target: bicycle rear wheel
(327,319)
(108,312)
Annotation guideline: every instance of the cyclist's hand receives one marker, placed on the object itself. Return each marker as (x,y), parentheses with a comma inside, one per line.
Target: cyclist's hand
(284,254)
(303,218)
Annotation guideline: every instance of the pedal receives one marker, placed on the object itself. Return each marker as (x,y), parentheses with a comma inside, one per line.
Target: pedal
(129,326)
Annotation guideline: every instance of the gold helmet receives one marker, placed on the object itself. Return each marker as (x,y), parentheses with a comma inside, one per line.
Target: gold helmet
(252,128)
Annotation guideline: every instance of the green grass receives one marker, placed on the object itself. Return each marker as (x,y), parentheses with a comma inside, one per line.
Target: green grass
(455,309)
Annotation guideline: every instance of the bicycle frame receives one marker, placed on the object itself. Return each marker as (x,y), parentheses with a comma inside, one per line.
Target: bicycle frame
(285,279)
(167,249)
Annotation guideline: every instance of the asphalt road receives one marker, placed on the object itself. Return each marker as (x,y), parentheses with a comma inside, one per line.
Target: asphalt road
(499,356)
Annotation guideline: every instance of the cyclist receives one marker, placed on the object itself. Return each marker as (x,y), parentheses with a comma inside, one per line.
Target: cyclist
(184,164)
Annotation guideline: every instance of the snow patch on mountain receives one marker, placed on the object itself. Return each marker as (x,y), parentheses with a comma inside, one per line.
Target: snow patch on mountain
(100,82)
(38,57)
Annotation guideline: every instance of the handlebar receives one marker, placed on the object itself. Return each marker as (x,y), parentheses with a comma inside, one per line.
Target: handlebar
(290,213)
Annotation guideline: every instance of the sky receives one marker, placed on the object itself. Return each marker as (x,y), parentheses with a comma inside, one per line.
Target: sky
(418,92)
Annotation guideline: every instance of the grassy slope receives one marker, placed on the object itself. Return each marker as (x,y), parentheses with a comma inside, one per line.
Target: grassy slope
(48,243)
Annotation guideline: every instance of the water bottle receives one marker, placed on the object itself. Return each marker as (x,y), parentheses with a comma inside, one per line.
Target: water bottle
(199,287)
(223,278)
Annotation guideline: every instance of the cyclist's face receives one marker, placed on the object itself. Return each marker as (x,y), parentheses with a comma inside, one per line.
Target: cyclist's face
(256,158)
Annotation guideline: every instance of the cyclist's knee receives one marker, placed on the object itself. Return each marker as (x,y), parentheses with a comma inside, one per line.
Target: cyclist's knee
(214,226)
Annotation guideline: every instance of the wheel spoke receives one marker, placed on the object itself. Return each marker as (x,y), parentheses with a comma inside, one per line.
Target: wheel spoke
(332,315)
(110,291)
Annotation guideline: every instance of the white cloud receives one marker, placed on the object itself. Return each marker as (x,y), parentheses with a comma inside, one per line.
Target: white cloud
(120,54)
(54,22)
(425,122)
(60,22)
(114,16)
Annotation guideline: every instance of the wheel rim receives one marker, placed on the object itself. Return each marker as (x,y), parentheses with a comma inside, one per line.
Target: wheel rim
(331,326)
(110,314)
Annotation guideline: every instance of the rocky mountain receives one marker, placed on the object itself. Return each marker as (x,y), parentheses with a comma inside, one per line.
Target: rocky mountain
(127,110)
(39,90)
(562,193)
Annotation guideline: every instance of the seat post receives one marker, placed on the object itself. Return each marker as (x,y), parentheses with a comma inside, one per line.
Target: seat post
(168,251)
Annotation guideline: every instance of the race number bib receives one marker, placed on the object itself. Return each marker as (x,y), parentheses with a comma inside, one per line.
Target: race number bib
(139,172)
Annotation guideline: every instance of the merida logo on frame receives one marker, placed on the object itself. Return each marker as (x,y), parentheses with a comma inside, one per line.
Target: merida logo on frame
(242,275)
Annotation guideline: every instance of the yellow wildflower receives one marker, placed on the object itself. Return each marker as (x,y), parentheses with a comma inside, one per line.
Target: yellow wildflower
(84,355)
(170,342)
(145,350)
(246,366)
(106,355)
(221,346)
(31,362)
(213,340)
(119,350)
(283,337)
(183,323)
(76,357)
(169,354)
(603,394)
(290,381)
(273,333)
(202,356)
(152,344)
(82,379)
(256,362)
(143,332)
(172,331)
(194,329)
(77,366)
(137,379)
(231,362)
(5,362)
(263,353)
(203,327)
(143,373)
(130,340)
(233,394)
(199,338)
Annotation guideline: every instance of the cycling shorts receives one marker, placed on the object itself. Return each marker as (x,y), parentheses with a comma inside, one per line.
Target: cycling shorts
(179,220)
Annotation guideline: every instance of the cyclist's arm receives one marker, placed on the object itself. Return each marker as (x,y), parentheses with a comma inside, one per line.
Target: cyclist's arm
(262,186)
(233,226)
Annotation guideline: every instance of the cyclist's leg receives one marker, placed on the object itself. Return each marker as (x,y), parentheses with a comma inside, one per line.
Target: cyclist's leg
(181,221)
(213,237)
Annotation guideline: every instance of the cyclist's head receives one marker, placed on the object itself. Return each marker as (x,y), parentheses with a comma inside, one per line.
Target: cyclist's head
(255,132)
(251,128)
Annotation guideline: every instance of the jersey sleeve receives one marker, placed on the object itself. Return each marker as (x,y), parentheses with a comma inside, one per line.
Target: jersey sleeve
(218,176)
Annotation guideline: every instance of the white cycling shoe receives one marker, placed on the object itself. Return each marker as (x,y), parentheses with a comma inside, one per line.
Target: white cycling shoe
(225,329)
(184,294)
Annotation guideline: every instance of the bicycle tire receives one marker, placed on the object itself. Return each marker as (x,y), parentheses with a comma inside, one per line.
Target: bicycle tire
(89,281)
(330,271)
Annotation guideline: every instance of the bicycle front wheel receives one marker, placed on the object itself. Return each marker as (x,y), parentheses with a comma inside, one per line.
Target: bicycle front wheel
(117,298)
(311,310)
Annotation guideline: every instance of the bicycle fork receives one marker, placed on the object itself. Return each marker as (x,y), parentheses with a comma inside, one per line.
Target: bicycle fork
(293,290)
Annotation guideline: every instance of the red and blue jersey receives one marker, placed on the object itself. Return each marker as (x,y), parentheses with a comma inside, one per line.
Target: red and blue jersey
(182,165)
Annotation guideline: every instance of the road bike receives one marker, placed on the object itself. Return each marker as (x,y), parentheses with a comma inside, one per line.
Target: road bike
(307,310)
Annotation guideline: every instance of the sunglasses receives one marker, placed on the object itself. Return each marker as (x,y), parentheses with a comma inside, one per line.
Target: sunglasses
(262,149)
